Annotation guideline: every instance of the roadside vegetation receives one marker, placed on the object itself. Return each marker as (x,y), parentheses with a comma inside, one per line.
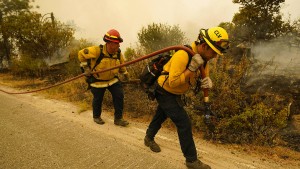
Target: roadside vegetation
(246,114)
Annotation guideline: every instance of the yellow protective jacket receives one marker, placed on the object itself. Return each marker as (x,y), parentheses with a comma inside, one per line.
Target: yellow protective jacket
(175,81)
(107,78)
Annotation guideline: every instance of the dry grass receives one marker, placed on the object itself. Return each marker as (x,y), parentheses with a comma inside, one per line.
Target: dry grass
(11,81)
(74,91)
(284,155)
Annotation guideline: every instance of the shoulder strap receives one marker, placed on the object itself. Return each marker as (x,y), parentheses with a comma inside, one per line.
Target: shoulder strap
(190,56)
(119,54)
(88,62)
(100,57)
(189,61)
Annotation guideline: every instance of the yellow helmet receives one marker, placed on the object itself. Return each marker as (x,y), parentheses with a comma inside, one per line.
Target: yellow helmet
(216,38)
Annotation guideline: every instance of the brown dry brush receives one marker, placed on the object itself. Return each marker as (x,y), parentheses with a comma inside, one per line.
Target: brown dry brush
(254,118)
(136,100)
(243,118)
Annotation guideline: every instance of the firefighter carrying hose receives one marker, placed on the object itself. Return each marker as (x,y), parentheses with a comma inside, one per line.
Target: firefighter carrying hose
(180,74)
(96,58)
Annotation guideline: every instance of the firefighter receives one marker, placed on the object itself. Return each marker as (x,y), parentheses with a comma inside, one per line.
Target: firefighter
(96,58)
(180,77)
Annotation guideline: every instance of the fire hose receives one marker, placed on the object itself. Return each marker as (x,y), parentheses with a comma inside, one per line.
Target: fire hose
(178,47)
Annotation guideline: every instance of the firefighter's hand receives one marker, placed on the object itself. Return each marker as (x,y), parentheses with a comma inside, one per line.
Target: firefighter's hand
(126,77)
(87,71)
(195,63)
(206,83)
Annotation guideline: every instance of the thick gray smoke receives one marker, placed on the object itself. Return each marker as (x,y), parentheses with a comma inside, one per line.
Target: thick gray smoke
(278,58)
(275,66)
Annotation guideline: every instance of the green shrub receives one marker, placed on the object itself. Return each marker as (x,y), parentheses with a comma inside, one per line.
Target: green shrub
(28,67)
(258,124)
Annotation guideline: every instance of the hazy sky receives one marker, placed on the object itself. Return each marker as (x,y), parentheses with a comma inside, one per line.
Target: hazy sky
(94,18)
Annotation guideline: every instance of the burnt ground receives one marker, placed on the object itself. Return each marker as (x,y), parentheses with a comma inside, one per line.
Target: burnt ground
(289,89)
(291,134)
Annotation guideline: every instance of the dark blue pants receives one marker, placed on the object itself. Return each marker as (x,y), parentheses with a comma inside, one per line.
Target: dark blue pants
(117,93)
(168,106)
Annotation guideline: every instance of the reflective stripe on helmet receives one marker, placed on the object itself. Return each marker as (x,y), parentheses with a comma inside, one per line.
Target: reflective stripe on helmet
(113,36)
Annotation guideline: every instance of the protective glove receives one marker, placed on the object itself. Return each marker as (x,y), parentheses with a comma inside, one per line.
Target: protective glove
(126,77)
(206,83)
(195,63)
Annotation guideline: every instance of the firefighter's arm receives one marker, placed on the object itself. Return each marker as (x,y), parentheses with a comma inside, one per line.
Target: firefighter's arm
(176,74)
(123,69)
(88,53)
(84,55)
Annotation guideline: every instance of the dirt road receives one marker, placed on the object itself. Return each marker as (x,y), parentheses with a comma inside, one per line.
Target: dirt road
(41,133)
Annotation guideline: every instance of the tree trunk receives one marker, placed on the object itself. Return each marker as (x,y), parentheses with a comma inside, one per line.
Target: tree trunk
(5,41)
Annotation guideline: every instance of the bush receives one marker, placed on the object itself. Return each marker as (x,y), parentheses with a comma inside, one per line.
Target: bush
(258,124)
(28,67)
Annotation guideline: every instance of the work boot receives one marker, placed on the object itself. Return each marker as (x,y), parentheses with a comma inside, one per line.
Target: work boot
(121,122)
(152,144)
(197,165)
(99,121)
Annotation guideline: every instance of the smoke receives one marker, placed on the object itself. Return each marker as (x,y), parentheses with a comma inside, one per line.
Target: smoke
(275,65)
(59,56)
(280,57)
(94,18)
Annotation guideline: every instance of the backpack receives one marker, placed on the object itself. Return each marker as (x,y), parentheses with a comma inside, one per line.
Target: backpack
(153,70)
(92,79)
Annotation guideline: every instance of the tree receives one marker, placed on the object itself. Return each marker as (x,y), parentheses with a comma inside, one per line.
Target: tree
(41,37)
(259,20)
(37,40)
(129,53)
(158,36)
(9,9)
(30,34)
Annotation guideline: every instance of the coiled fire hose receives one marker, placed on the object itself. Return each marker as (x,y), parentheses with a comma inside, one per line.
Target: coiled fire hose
(177,47)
